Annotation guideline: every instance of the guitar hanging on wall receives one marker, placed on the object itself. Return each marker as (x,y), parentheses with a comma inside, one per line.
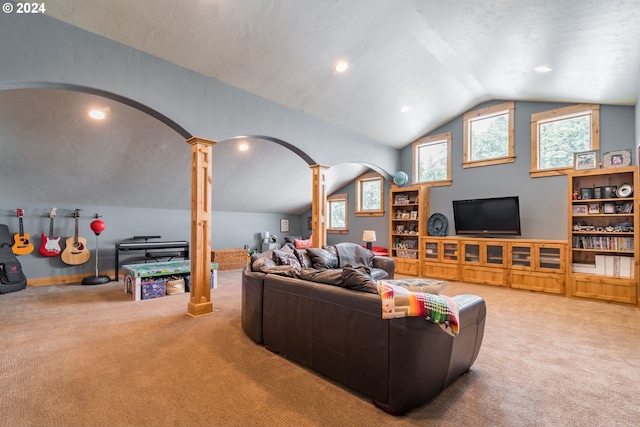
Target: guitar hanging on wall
(50,245)
(76,251)
(21,241)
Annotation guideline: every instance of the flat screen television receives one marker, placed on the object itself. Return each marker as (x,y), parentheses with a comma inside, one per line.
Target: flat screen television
(492,216)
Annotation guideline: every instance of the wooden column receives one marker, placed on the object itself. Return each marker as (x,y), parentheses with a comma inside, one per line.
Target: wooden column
(200,302)
(319,206)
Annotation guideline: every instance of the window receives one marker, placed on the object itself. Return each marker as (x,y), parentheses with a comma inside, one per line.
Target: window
(432,160)
(557,134)
(338,213)
(488,136)
(370,195)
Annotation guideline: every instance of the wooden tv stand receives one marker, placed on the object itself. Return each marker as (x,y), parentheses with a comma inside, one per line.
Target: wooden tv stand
(537,265)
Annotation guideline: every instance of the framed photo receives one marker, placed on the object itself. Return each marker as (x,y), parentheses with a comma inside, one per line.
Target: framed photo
(609,207)
(284,225)
(401,199)
(594,208)
(406,215)
(616,159)
(627,207)
(585,160)
(580,210)
(414,214)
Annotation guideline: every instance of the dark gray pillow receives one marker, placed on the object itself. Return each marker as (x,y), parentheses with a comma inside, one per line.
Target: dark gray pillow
(322,259)
(304,258)
(357,279)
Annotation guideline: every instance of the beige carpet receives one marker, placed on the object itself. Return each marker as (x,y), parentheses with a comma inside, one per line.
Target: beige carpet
(90,356)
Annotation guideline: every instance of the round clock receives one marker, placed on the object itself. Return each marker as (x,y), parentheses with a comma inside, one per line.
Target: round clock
(437,225)
(625,190)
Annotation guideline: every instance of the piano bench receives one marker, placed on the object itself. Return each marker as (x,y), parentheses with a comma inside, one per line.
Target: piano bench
(156,255)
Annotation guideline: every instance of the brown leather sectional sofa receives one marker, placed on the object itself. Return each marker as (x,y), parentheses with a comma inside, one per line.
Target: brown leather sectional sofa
(339,333)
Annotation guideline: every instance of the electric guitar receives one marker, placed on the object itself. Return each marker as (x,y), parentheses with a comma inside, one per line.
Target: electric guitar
(50,245)
(76,251)
(21,242)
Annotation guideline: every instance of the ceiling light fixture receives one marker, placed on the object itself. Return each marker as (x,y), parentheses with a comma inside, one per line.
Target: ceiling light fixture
(243,147)
(99,113)
(342,66)
(542,68)
(404,108)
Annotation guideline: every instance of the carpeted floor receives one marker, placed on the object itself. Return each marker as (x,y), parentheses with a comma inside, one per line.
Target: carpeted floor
(90,356)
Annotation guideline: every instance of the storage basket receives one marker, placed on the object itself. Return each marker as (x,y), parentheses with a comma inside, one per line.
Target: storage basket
(229,259)
(153,288)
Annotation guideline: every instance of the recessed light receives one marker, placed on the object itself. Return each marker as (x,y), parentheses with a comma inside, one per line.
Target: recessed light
(243,147)
(342,66)
(404,108)
(542,68)
(97,114)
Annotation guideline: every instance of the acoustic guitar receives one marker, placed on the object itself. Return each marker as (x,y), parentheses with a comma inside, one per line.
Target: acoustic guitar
(50,245)
(76,251)
(21,241)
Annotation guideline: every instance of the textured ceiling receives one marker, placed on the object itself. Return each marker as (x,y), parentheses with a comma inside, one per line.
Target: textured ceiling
(438,57)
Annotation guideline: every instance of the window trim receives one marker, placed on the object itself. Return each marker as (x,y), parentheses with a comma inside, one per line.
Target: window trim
(427,140)
(334,198)
(484,113)
(366,177)
(559,114)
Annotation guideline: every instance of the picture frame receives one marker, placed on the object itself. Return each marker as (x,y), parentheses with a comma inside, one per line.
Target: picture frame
(594,208)
(414,215)
(585,160)
(580,210)
(616,159)
(401,199)
(627,207)
(406,215)
(284,225)
(609,207)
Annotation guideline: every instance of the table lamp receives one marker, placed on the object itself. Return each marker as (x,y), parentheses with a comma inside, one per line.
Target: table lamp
(369,236)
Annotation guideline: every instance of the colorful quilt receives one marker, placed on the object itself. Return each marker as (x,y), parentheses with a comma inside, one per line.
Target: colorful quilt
(400,302)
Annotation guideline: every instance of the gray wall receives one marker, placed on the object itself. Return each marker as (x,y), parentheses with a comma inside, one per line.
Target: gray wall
(228,230)
(543,201)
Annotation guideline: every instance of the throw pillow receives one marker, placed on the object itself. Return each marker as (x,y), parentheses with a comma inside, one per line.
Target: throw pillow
(427,286)
(357,279)
(288,258)
(322,259)
(302,244)
(304,259)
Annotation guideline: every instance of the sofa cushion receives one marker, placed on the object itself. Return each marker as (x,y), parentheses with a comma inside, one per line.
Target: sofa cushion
(322,259)
(328,277)
(358,279)
(262,263)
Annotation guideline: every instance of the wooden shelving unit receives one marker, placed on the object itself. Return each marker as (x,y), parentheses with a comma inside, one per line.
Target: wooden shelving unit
(408,221)
(603,243)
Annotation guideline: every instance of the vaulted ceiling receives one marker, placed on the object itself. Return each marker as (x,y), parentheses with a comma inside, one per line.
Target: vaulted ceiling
(438,58)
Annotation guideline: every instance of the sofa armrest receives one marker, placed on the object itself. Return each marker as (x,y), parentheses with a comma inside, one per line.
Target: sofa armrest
(387,264)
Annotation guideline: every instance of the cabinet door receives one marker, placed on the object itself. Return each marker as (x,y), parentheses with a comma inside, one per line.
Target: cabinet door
(550,258)
(431,250)
(521,256)
(450,252)
(472,253)
(494,255)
